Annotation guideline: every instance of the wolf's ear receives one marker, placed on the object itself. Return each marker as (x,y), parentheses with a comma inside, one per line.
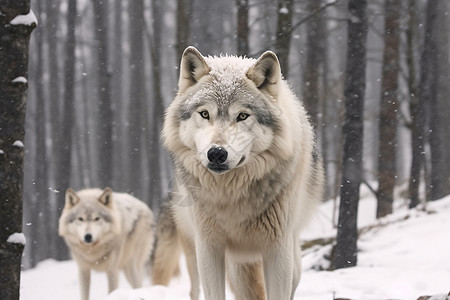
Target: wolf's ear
(106,197)
(266,73)
(193,67)
(71,198)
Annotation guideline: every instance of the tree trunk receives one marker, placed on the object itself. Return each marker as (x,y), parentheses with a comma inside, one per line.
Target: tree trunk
(40,209)
(119,134)
(432,57)
(154,156)
(105,118)
(347,235)
(14,43)
(283,35)
(315,56)
(443,90)
(417,111)
(184,11)
(59,249)
(137,96)
(388,110)
(242,27)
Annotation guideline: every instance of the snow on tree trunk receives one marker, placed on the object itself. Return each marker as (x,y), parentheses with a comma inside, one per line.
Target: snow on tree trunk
(16,25)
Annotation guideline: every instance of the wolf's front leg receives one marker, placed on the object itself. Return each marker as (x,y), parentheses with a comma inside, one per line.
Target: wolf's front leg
(278,271)
(84,276)
(211,267)
(113,279)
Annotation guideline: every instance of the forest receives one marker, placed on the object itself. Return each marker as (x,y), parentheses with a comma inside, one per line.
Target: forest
(101,73)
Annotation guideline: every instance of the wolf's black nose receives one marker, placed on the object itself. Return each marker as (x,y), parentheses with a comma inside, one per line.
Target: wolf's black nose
(88,238)
(217,155)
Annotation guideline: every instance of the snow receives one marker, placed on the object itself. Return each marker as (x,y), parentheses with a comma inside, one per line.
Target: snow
(18,144)
(28,19)
(20,79)
(16,238)
(402,256)
(284,11)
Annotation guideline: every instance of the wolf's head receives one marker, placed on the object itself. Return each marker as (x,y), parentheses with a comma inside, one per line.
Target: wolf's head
(89,217)
(226,109)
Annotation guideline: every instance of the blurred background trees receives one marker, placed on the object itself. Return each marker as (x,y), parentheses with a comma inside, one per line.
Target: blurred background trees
(102,72)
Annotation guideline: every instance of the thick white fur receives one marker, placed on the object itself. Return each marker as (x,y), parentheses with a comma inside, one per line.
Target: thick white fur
(121,230)
(248,219)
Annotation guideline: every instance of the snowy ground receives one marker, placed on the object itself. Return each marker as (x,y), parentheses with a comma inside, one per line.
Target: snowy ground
(406,257)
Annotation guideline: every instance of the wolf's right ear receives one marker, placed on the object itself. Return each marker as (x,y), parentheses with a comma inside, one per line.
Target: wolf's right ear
(266,73)
(106,197)
(193,67)
(71,198)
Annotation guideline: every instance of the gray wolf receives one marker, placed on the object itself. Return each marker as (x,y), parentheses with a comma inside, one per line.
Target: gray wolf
(247,178)
(107,231)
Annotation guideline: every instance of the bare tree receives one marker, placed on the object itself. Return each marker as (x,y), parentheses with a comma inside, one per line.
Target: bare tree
(184,11)
(242,27)
(59,249)
(105,113)
(137,96)
(432,70)
(315,57)
(283,35)
(345,254)
(417,110)
(388,109)
(157,107)
(16,25)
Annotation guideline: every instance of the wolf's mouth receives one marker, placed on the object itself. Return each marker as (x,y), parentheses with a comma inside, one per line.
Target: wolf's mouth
(241,161)
(218,168)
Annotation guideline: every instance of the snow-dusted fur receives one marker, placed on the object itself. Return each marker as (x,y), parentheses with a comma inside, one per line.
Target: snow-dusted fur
(248,177)
(107,232)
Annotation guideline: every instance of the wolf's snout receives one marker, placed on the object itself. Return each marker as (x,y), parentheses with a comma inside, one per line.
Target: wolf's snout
(88,238)
(217,155)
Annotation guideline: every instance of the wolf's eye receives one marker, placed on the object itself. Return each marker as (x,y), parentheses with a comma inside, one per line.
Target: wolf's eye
(97,219)
(204,114)
(242,117)
(80,219)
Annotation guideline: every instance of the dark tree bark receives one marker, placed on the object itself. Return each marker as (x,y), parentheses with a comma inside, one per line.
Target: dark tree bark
(388,109)
(105,114)
(242,27)
(154,155)
(42,165)
(59,249)
(137,96)
(431,71)
(184,11)
(119,134)
(346,243)
(417,111)
(15,36)
(283,35)
(315,57)
(443,90)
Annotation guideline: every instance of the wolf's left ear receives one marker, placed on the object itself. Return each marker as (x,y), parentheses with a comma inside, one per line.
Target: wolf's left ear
(106,197)
(193,67)
(266,73)
(71,198)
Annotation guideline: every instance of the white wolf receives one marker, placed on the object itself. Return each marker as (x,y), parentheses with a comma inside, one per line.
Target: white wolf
(245,161)
(108,232)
